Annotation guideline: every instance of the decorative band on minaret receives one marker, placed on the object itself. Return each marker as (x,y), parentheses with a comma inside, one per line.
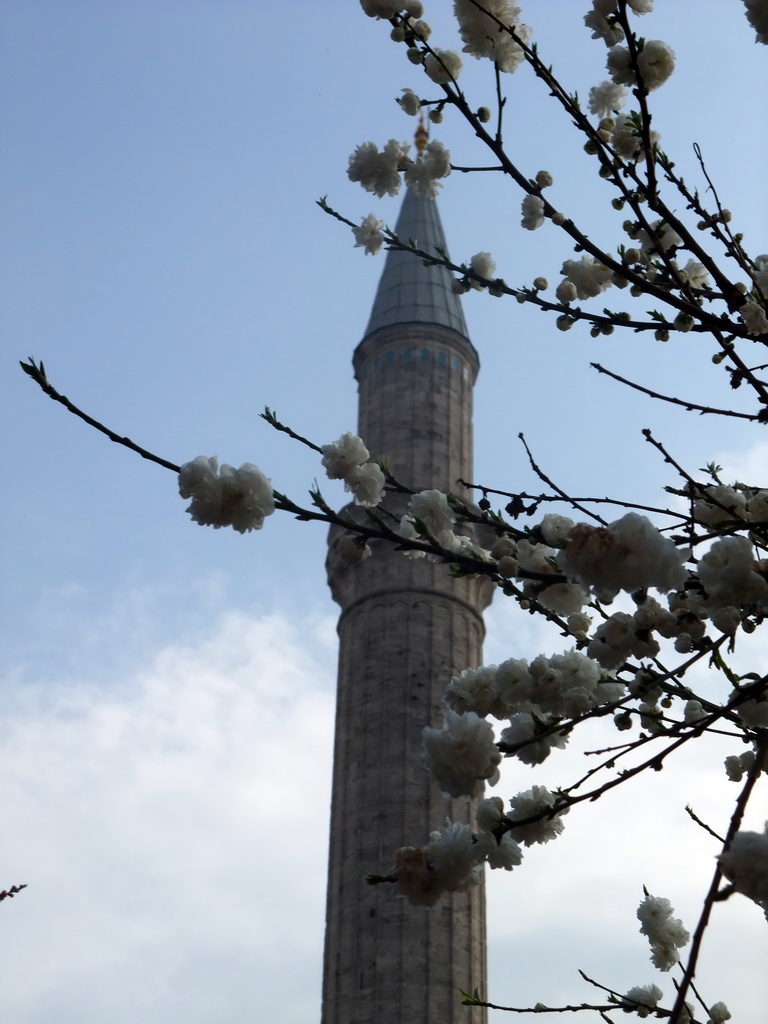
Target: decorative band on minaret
(406,626)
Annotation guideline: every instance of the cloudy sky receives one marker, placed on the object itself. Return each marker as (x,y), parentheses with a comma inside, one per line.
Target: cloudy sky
(167,691)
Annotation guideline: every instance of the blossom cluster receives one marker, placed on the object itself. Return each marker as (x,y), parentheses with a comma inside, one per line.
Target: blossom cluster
(666,933)
(643,999)
(534,698)
(240,498)
(348,459)
(383,171)
(452,859)
(484,32)
(628,554)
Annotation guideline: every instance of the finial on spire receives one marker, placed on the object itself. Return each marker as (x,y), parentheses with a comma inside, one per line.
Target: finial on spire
(422,135)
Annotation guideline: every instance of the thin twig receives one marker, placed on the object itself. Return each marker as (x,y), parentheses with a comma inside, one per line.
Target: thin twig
(542,476)
(10,893)
(709,901)
(690,406)
(691,814)
(37,373)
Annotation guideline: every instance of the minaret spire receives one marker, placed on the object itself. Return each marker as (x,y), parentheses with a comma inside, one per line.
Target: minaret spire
(405,627)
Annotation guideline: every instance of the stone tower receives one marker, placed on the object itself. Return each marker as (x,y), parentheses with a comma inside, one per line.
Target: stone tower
(406,626)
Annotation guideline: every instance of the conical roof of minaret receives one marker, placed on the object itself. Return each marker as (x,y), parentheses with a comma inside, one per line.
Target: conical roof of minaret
(408,291)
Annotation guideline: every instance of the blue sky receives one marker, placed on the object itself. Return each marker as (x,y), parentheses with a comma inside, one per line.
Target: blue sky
(167,690)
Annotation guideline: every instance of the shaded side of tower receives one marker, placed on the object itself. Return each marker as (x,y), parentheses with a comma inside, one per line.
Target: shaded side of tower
(405,627)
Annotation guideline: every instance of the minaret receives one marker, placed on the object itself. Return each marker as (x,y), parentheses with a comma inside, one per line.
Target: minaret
(406,626)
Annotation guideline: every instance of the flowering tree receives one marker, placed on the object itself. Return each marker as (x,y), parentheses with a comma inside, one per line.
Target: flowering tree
(690,573)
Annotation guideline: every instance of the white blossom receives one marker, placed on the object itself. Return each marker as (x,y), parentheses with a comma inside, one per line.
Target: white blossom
(484,265)
(753,713)
(462,754)
(565,292)
(661,239)
(368,235)
(718,504)
(628,141)
(240,498)
(432,508)
(737,764)
(619,66)
(367,484)
(410,102)
(727,573)
(603,25)
(761,273)
(555,529)
(453,857)
(378,172)
(562,598)
(482,36)
(718,1014)
(693,712)
(666,934)
(605,98)
(381,8)
(694,274)
(342,456)
(443,66)
(474,689)
(422,29)
(618,638)
(499,853)
(754,319)
(489,813)
(568,684)
(422,174)
(628,554)
(588,275)
(533,212)
(515,685)
(450,862)
(523,729)
(655,62)
(579,624)
(643,999)
(757,506)
(534,801)
(353,549)
(407,530)
(745,865)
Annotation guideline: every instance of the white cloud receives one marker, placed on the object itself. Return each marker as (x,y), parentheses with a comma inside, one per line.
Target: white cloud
(747,465)
(173,828)
(173,833)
